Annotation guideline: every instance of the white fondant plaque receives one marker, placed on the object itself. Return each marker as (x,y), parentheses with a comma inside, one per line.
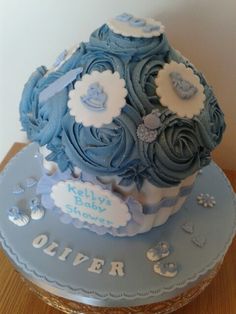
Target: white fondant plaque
(90,203)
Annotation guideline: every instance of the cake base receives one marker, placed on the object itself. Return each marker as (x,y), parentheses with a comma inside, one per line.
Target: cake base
(196,251)
(163,307)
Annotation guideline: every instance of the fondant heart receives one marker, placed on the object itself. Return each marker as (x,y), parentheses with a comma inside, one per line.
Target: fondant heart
(136,22)
(188,227)
(18,189)
(199,240)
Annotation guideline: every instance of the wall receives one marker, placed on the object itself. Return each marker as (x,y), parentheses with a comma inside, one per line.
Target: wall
(34,32)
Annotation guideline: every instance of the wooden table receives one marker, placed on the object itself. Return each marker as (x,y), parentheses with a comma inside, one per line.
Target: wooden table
(218,298)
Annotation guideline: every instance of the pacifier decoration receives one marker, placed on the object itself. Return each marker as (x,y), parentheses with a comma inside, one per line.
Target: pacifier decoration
(37,212)
(180,90)
(97,98)
(169,270)
(158,252)
(129,25)
(147,131)
(18,217)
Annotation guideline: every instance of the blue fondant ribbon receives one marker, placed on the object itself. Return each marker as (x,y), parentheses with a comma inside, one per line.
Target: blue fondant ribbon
(59,84)
(167,201)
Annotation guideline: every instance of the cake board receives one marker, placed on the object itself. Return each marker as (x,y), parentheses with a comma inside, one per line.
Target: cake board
(140,284)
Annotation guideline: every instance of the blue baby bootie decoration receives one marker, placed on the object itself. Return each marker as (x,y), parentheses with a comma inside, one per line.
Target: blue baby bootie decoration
(182,87)
(95,98)
(18,217)
(37,212)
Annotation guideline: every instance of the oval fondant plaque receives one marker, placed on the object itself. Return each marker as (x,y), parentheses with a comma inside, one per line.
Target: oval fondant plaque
(90,203)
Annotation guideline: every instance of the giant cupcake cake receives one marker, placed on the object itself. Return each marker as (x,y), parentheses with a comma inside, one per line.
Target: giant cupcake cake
(122,127)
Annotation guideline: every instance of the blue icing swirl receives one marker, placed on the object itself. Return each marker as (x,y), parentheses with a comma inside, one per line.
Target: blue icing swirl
(140,83)
(182,145)
(178,152)
(102,151)
(41,120)
(211,120)
(101,61)
(129,47)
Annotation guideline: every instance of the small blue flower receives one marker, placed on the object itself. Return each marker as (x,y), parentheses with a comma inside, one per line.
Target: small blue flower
(206,200)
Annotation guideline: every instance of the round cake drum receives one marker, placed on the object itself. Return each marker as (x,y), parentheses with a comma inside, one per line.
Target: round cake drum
(105,271)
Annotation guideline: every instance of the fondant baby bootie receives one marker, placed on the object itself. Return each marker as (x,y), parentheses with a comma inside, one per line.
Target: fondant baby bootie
(169,270)
(16,216)
(37,212)
(158,252)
